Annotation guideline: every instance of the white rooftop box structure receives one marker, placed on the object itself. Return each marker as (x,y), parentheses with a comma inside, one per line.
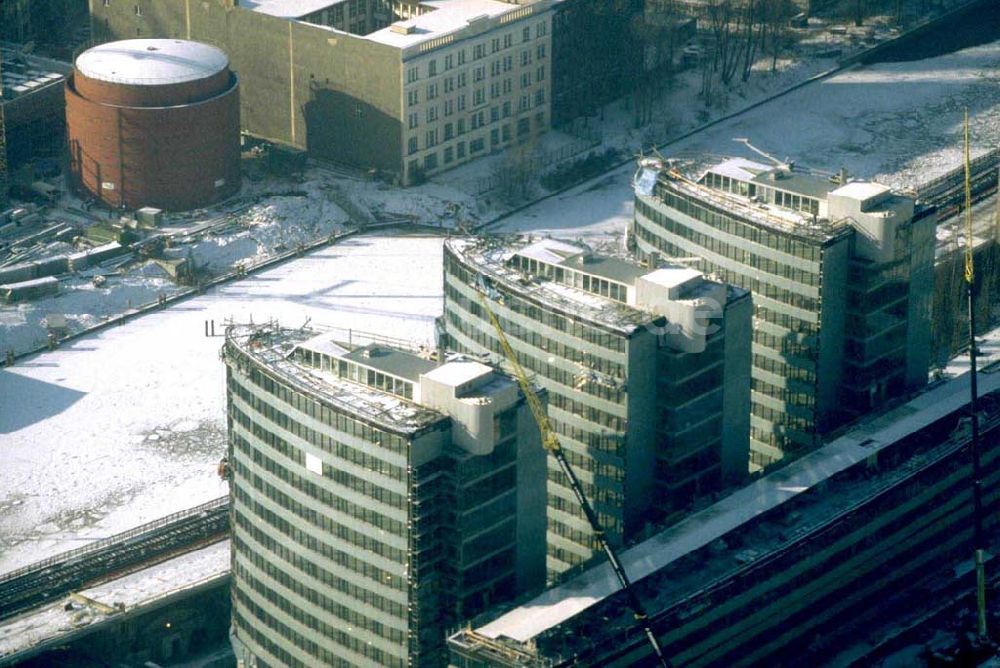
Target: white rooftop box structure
(875,212)
(468,392)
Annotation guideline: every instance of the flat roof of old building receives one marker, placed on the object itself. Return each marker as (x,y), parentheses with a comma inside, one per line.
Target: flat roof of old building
(447,17)
(288,9)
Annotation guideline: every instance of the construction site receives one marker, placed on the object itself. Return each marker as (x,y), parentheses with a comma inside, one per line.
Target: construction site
(160,221)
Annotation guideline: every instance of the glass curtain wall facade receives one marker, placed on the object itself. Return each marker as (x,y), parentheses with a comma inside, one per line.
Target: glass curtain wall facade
(835,333)
(641,423)
(361,541)
(785,275)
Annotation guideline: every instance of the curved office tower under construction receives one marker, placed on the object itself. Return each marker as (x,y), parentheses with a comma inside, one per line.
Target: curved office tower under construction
(842,278)
(378,498)
(647,370)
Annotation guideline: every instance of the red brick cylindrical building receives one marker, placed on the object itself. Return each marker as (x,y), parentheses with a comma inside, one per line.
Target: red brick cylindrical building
(154,122)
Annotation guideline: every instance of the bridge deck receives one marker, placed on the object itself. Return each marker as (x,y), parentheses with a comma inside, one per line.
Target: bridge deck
(52,624)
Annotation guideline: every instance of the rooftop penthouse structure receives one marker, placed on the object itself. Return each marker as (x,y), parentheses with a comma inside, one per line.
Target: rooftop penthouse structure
(841,274)
(378,498)
(646,368)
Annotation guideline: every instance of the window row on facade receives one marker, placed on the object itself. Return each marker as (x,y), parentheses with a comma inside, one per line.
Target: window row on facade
(477,144)
(782,198)
(321,517)
(297,590)
(339,476)
(607,507)
(563,327)
(456,105)
(725,222)
(599,417)
(535,313)
(540,338)
(349,539)
(441,133)
(433,91)
(364,458)
(318,652)
(582,281)
(429,67)
(335,531)
(783,301)
(740,250)
(335,418)
(250,515)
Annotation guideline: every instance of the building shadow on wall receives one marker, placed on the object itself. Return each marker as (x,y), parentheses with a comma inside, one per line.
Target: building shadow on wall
(344,129)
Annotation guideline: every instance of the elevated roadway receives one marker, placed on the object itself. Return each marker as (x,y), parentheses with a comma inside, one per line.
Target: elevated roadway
(113,557)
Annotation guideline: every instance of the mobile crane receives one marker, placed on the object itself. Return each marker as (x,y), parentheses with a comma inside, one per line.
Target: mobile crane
(550,441)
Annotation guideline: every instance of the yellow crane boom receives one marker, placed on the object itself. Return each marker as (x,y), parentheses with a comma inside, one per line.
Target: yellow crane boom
(551,443)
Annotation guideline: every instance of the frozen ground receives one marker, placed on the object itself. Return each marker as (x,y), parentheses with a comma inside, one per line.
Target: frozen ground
(22,325)
(266,225)
(126,425)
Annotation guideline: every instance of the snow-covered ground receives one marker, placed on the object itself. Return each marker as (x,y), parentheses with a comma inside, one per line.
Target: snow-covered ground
(127,425)
(254,233)
(900,123)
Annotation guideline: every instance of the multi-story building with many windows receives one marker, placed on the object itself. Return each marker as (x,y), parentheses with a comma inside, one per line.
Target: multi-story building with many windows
(411,89)
(790,570)
(378,498)
(842,280)
(647,370)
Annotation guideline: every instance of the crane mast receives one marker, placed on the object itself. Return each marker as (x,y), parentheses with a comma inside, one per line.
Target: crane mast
(3,144)
(551,443)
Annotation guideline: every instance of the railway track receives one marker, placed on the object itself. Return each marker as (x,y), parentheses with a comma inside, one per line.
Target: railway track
(113,557)
(947,192)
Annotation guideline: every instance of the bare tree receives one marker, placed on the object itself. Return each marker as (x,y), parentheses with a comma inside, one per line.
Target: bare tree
(754,28)
(515,172)
(656,30)
(775,16)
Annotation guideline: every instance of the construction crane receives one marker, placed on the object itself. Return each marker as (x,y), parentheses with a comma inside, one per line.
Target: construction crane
(3,143)
(551,443)
(782,164)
